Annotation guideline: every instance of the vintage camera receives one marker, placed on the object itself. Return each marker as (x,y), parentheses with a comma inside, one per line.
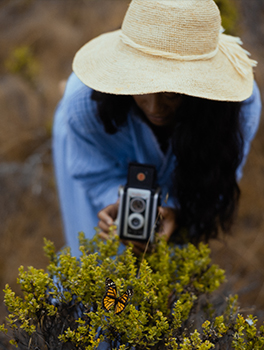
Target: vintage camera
(139,201)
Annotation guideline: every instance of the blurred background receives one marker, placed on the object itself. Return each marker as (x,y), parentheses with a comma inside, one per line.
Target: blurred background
(38,40)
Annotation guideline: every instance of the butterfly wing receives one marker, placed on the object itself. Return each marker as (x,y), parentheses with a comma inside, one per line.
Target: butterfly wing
(122,301)
(109,298)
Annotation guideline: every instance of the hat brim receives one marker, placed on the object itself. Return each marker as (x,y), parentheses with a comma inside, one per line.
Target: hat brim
(108,65)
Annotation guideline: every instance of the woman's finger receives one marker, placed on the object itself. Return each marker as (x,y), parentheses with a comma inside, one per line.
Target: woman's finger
(105,235)
(103,226)
(107,216)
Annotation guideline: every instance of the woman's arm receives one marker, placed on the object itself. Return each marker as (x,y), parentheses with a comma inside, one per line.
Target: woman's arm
(94,157)
(250,118)
(87,174)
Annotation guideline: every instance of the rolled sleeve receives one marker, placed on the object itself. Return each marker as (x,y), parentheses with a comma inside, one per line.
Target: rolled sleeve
(250,119)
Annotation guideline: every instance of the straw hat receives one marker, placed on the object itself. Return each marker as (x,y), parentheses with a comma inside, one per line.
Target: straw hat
(168,45)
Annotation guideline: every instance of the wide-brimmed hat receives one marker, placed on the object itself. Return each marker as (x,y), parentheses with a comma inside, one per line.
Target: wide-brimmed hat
(168,45)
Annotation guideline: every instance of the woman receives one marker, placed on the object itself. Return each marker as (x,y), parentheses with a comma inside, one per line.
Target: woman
(168,89)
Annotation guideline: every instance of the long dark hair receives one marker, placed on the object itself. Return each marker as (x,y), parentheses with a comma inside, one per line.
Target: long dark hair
(208,146)
(112,109)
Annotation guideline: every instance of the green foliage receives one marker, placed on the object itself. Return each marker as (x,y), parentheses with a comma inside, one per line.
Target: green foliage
(21,61)
(62,308)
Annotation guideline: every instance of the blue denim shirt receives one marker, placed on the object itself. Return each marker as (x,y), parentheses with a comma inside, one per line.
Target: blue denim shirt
(90,164)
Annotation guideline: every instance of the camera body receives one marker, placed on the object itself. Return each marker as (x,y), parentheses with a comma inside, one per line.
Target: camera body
(139,201)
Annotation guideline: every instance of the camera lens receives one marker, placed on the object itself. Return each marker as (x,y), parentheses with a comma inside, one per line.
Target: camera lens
(137,205)
(135,221)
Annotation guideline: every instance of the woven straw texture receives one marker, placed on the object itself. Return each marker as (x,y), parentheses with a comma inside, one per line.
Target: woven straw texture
(193,34)
(168,45)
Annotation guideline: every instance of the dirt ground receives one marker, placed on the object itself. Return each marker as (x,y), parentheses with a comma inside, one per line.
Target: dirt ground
(51,32)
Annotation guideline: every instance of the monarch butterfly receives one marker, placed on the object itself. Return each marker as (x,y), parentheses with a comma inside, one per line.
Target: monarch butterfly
(110,298)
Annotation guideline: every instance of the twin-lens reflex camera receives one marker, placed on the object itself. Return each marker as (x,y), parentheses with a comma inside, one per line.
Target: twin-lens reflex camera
(139,201)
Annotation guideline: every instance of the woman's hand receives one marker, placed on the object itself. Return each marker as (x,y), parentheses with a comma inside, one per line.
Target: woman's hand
(106,217)
(168,222)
